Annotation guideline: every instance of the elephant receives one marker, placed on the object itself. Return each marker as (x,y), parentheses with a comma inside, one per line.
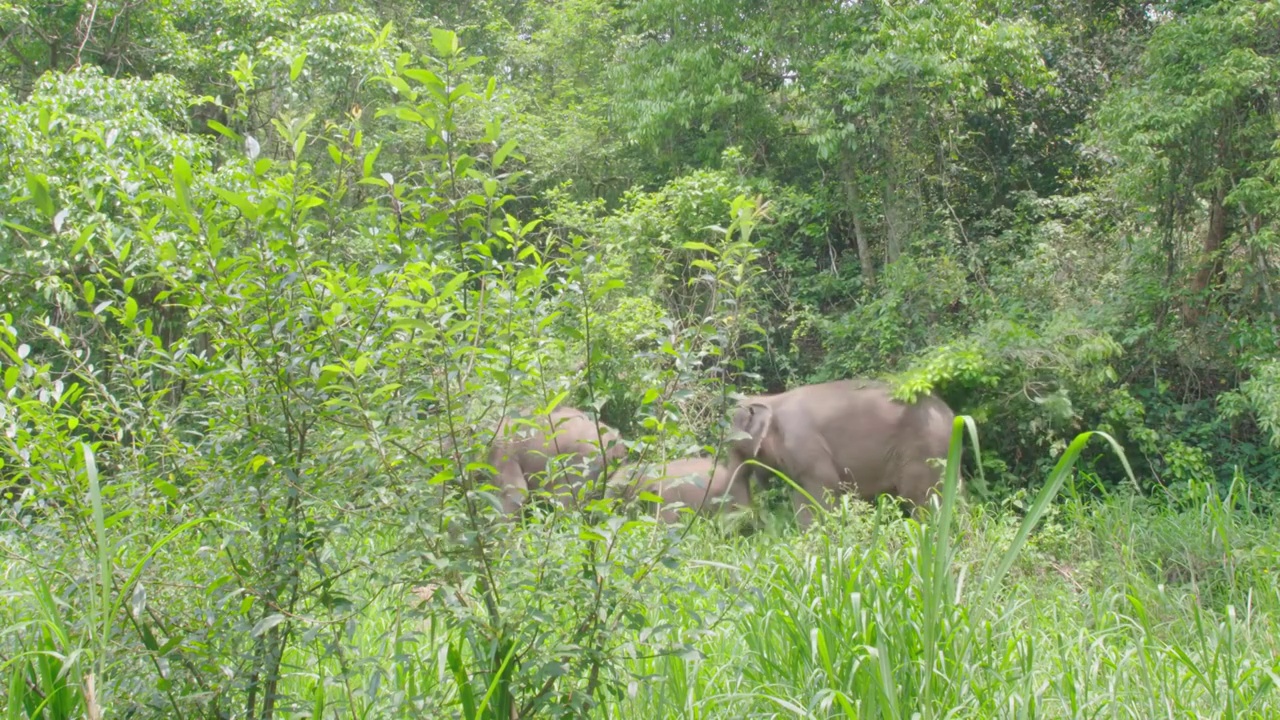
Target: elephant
(842,436)
(521,452)
(684,481)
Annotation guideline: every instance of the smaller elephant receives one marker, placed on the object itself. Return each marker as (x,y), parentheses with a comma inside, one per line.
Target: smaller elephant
(843,436)
(692,482)
(520,455)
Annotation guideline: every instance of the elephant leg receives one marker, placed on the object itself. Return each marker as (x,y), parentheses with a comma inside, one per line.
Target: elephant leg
(815,481)
(919,484)
(514,487)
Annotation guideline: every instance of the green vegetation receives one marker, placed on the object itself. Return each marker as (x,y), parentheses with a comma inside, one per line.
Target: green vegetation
(271,272)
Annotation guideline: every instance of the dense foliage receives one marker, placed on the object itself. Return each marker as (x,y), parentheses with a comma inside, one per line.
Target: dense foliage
(271,271)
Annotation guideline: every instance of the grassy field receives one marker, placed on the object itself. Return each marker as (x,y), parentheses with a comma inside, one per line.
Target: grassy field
(1119,607)
(1115,608)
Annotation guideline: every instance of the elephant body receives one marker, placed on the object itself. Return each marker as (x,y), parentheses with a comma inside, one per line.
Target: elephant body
(520,454)
(843,436)
(695,482)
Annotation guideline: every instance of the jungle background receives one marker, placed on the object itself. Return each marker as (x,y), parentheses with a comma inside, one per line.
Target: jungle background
(271,270)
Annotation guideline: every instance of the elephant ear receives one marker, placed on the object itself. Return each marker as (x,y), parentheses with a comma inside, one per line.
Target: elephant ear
(759,422)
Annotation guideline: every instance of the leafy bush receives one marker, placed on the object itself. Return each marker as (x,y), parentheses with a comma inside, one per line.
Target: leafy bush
(311,424)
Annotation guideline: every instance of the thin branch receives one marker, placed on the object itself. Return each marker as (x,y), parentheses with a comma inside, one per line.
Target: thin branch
(88,30)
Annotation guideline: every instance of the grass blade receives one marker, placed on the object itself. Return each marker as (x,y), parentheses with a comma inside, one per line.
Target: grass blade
(1041,505)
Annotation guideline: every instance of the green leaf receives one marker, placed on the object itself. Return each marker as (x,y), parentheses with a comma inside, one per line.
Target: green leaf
(422,75)
(90,292)
(39,187)
(86,234)
(502,153)
(306,202)
(223,130)
(295,68)
(444,42)
(266,624)
(695,245)
(414,324)
(11,377)
(465,693)
(181,170)
(402,87)
(130,310)
(406,114)
(239,200)
(369,159)
(168,489)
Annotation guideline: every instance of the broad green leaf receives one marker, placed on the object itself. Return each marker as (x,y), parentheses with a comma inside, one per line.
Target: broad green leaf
(39,187)
(422,75)
(181,170)
(695,245)
(501,156)
(168,489)
(444,42)
(295,67)
(367,165)
(238,200)
(406,114)
(222,130)
(266,623)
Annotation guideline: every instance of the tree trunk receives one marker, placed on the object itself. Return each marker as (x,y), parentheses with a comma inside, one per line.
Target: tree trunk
(854,200)
(1211,271)
(895,233)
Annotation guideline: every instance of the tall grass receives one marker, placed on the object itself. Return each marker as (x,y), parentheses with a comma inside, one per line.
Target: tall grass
(1125,607)
(866,619)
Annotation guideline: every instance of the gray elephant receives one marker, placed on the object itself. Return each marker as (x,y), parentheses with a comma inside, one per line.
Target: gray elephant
(683,481)
(520,454)
(843,436)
